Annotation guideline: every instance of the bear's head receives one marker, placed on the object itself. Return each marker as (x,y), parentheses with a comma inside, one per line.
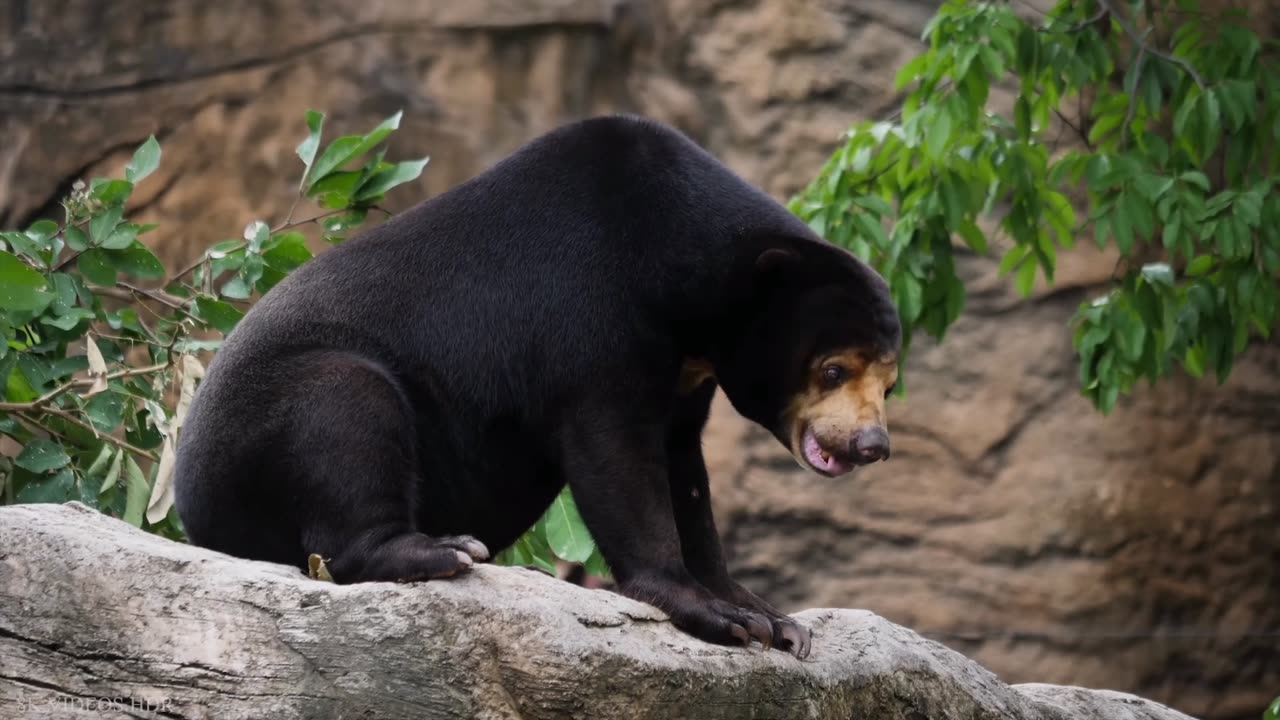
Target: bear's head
(812,355)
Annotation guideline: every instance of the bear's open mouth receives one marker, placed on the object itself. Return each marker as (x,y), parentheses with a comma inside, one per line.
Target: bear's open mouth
(821,459)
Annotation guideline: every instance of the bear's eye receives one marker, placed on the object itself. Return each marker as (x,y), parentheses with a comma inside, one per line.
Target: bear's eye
(833,376)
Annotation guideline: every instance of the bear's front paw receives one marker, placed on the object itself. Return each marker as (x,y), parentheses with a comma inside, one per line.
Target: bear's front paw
(467,544)
(724,623)
(788,635)
(791,636)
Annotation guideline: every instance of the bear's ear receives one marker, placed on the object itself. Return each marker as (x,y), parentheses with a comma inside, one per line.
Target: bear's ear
(774,259)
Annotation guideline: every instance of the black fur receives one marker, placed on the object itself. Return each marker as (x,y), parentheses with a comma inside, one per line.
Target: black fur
(445,373)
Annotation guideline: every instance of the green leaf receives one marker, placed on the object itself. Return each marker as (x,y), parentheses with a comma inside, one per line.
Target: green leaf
(1022,114)
(105,411)
(1194,359)
(23,245)
(1028,51)
(307,148)
(955,299)
(1107,403)
(145,161)
(345,149)
(41,456)
(345,221)
(1211,127)
(221,315)
(1197,178)
(59,488)
(289,253)
(137,261)
(1013,259)
(939,134)
(911,71)
(76,239)
(42,231)
(68,320)
(252,270)
(566,532)
(113,471)
(99,463)
(399,174)
(21,288)
(138,493)
(1200,266)
(334,191)
(1122,226)
(908,293)
(96,266)
(112,193)
(102,224)
(255,235)
(973,237)
(236,289)
(1104,126)
(1026,279)
(120,238)
(596,565)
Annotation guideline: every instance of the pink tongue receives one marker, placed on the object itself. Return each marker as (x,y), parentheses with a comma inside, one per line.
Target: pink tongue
(813,454)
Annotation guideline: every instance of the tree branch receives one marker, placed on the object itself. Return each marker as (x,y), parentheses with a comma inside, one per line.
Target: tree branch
(59,412)
(1140,40)
(39,403)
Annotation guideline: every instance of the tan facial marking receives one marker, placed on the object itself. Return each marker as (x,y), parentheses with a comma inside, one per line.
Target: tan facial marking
(693,373)
(835,409)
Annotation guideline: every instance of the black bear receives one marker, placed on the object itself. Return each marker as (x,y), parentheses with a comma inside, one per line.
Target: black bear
(420,394)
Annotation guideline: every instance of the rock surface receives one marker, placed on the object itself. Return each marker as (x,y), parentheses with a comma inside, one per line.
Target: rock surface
(1137,552)
(93,609)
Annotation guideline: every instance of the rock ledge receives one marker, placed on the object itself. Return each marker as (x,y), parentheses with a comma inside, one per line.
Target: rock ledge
(98,619)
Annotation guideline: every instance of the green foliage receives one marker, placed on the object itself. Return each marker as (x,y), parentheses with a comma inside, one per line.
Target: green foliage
(1174,153)
(102,346)
(98,371)
(559,534)
(1272,712)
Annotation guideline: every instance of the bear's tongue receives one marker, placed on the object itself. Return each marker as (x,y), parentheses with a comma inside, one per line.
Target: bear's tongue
(822,460)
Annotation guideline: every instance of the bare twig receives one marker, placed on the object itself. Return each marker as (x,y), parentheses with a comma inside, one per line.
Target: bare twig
(163,298)
(198,261)
(67,260)
(82,424)
(1140,40)
(314,218)
(285,225)
(1079,131)
(288,217)
(1103,10)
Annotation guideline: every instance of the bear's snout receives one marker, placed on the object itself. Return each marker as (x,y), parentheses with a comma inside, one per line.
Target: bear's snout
(869,445)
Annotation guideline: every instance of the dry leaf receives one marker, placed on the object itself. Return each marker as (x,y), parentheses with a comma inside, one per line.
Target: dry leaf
(192,371)
(97,367)
(162,491)
(318,569)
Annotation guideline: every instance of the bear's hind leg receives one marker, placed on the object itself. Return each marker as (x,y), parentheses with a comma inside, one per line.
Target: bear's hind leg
(351,456)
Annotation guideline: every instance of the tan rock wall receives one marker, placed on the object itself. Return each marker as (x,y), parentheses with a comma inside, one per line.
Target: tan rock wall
(1136,552)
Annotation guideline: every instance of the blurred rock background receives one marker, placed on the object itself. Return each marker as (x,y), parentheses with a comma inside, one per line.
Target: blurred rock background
(1139,552)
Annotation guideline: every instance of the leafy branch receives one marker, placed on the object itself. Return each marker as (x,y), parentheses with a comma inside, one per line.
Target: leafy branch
(88,419)
(1199,257)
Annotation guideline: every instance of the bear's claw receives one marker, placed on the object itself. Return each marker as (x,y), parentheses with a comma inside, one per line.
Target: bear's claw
(474,549)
